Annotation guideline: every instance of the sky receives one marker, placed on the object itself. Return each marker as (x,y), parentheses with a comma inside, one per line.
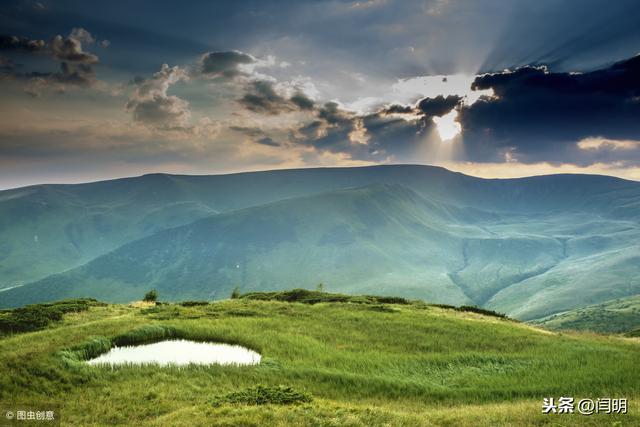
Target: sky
(99,90)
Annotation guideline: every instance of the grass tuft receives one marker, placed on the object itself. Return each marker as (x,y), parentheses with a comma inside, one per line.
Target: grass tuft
(264,395)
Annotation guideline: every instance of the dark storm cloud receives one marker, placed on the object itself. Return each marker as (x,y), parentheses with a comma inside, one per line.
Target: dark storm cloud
(302,101)
(399,109)
(16,43)
(430,107)
(396,138)
(370,137)
(438,106)
(540,115)
(224,65)
(262,97)
(333,115)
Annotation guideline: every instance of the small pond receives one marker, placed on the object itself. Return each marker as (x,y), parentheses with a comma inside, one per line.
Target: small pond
(178,352)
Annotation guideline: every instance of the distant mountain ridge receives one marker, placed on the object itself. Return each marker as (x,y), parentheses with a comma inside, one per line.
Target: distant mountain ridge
(530,247)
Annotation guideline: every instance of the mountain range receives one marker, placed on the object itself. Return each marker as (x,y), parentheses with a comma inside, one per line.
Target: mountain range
(529,247)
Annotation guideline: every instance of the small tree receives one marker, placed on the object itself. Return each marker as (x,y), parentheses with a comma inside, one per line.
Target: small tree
(320,287)
(151,296)
(236,293)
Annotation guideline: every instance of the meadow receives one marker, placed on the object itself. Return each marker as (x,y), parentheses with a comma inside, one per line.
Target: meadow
(329,361)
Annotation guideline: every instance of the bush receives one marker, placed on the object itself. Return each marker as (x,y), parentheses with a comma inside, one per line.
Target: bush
(236,293)
(445,306)
(314,297)
(193,303)
(151,296)
(263,395)
(634,333)
(483,311)
(37,316)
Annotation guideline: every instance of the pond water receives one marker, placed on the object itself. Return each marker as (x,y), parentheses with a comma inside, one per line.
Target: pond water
(178,352)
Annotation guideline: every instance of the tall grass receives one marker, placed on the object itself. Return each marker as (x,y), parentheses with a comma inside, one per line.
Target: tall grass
(363,366)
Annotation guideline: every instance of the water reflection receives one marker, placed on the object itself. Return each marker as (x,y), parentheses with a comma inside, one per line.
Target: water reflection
(178,352)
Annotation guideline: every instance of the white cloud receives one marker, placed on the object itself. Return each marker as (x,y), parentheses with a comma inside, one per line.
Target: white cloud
(152,106)
(599,143)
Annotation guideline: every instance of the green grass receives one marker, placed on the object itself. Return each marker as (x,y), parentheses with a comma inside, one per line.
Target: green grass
(361,364)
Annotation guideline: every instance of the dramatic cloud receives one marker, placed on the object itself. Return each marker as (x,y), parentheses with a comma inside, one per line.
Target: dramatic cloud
(540,115)
(224,65)
(263,97)
(302,101)
(371,137)
(439,106)
(150,105)
(331,83)
(21,44)
(70,49)
(76,65)
(399,109)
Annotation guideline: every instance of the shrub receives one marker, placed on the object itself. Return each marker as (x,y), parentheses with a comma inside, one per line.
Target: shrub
(314,297)
(264,395)
(37,316)
(151,296)
(445,306)
(236,293)
(193,303)
(634,333)
(483,311)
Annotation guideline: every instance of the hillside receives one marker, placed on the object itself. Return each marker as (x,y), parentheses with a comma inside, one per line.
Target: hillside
(46,229)
(616,316)
(529,247)
(360,361)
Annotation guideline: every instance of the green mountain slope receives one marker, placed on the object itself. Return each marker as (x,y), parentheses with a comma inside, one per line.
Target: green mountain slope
(616,316)
(360,362)
(528,247)
(46,229)
(382,238)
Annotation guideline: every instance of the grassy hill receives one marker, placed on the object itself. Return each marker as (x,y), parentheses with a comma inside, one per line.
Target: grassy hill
(528,247)
(616,316)
(360,361)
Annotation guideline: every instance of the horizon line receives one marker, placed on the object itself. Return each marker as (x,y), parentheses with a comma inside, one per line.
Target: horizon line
(245,172)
